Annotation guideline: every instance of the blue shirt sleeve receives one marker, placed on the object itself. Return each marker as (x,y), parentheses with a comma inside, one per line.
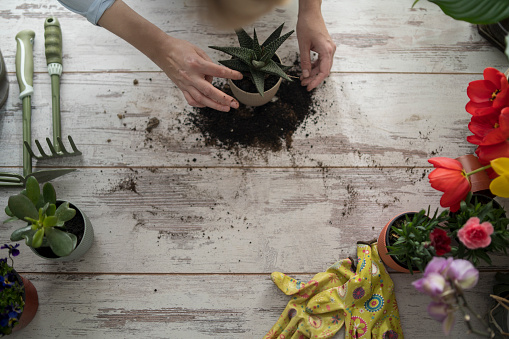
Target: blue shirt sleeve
(90,9)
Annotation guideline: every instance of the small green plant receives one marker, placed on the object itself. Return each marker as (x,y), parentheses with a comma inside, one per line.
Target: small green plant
(411,243)
(11,293)
(256,61)
(46,222)
(489,212)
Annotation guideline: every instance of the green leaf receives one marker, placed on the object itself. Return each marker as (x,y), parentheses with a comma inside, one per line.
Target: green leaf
(475,11)
(21,206)
(50,221)
(244,39)
(258,80)
(21,233)
(51,209)
(244,54)
(283,67)
(8,211)
(235,64)
(276,34)
(64,212)
(37,240)
(49,194)
(273,68)
(61,242)
(258,64)
(256,46)
(33,190)
(271,48)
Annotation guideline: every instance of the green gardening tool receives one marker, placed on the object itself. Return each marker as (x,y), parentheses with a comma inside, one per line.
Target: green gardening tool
(53,44)
(25,74)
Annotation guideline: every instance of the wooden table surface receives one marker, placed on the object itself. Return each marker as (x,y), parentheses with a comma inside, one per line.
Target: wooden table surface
(187,234)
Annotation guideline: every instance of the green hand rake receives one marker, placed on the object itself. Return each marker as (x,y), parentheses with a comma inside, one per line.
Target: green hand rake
(24,74)
(53,50)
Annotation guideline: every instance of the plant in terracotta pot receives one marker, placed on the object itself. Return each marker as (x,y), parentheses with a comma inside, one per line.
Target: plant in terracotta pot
(409,241)
(18,296)
(261,67)
(56,229)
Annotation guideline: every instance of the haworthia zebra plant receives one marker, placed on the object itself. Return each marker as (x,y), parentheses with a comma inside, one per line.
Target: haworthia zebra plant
(256,60)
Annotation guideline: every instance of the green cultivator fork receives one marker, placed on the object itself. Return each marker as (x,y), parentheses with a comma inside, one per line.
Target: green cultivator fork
(24,74)
(53,49)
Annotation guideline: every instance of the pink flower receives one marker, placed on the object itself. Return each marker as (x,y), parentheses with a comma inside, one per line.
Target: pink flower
(475,235)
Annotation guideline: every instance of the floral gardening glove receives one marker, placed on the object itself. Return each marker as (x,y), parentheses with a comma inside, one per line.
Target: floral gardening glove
(367,301)
(295,322)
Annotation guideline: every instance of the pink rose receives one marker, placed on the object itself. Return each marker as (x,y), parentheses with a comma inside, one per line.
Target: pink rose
(475,235)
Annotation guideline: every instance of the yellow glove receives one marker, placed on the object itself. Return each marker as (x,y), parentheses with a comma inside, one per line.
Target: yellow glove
(296,321)
(367,301)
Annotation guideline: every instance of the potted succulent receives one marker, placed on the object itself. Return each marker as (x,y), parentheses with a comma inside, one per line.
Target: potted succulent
(18,296)
(260,65)
(56,230)
(410,240)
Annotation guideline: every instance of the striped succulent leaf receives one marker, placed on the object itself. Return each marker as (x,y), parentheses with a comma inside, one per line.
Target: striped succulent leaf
(244,39)
(235,64)
(271,48)
(259,80)
(276,34)
(256,46)
(242,53)
(272,68)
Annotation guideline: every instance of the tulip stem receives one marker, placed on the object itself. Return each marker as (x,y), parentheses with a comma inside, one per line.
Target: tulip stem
(478,170)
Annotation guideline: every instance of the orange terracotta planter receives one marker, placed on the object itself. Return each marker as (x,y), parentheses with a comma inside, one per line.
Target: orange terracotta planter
(31,304)
(383,241)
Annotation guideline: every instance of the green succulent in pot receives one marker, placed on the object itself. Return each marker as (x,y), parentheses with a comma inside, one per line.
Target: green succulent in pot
(46,226)
(254,60)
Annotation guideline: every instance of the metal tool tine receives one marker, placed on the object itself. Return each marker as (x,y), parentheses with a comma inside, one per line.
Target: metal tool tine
(51,148)
(62,147)
(29,149)
(41,150)
(11,179)
(73,146)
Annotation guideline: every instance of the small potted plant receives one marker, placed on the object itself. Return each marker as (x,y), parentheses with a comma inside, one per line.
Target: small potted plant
(57,230)
(260,65)
(410,240)
(18,296)
(480,227)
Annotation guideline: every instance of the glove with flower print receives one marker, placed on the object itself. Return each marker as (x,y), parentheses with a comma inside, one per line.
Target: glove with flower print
(367,301)
(295,321)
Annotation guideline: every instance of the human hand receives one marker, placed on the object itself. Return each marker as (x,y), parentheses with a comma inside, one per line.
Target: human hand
(191,69)
(312,35)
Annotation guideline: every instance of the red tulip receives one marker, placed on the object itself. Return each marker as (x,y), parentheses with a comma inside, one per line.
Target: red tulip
(450,178)
(489,95)
(481,126)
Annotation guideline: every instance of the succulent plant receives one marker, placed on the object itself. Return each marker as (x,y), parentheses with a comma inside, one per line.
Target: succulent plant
(46,222)
(255,60)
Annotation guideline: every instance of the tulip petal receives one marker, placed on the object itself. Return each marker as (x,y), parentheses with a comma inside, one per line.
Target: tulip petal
(500,186)
(481,90)
(444,162)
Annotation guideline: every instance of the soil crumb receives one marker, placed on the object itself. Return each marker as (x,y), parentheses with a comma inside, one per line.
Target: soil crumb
(152,123)
(269,127)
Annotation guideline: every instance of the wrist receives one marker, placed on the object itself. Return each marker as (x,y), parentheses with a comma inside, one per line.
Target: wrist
(310,8)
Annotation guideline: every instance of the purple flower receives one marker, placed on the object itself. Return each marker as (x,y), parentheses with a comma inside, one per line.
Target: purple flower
(443,313)
(12,249)
(433,284)
(463,273)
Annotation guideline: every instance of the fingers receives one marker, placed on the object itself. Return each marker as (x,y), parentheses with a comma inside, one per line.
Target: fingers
(320,71)
(343,270)
(199,100)
(305,60)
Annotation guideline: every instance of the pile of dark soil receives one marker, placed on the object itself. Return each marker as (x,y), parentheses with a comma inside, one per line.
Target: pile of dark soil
(268,127)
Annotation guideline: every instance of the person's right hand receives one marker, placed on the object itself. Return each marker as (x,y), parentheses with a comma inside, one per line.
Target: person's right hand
(191,69)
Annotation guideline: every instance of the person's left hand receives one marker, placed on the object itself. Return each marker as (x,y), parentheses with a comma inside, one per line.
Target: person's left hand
(313,36)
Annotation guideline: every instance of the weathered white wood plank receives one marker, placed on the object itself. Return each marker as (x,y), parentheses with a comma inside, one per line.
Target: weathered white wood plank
(230,220)
(361,120)
(197,306)
(372,36)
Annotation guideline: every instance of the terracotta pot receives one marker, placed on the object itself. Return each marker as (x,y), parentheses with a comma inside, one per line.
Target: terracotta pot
(83,246)
(254,99)
(31,304)
(383,242)
(480,182)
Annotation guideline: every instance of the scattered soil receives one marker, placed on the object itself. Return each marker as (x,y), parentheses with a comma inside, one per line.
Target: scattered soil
(268,127)
(75,226)
(152,123)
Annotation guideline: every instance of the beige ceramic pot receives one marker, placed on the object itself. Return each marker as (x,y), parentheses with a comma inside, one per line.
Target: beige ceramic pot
(254,99)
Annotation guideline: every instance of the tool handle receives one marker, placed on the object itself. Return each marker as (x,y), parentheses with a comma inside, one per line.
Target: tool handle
(53,41)
(25,62)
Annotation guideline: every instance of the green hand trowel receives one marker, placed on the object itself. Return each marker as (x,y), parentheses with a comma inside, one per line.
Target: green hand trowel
(24,74)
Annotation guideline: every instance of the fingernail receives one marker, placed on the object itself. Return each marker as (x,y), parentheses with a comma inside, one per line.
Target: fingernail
(305,73)
(234,104)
